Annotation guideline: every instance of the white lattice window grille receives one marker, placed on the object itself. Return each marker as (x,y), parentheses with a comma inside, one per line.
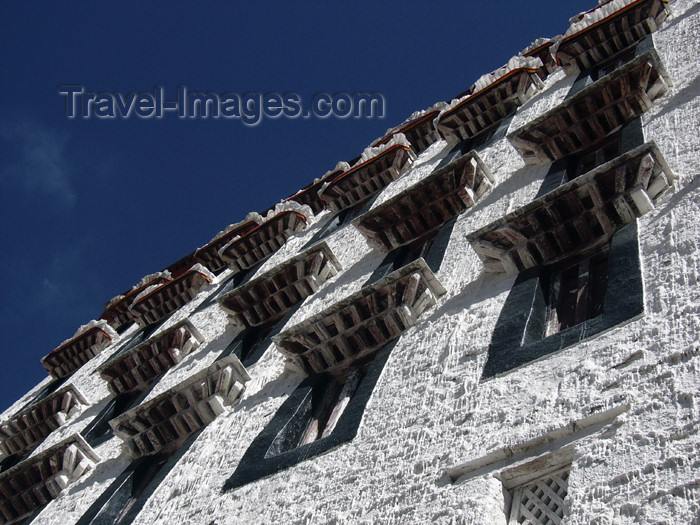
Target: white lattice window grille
(540,501)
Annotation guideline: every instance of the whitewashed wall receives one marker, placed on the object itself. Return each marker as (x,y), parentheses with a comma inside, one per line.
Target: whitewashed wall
(430,414)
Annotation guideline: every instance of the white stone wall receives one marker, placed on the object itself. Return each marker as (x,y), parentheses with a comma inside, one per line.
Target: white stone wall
(627,400)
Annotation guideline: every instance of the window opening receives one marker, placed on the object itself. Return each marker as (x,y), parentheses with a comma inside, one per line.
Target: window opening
(577,292)
(541,501)
(99,430)
(408,253)
(120,501)
(338,221)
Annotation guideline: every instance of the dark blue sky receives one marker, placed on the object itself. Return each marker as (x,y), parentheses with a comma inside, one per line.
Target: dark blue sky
(88,207)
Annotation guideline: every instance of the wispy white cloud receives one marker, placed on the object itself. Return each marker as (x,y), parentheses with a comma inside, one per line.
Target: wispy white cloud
(39,163)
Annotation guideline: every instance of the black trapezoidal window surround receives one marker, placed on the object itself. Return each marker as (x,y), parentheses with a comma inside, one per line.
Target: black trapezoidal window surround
(431,247)
(520,335)
(98,430)
(607,148)
(250,344)
(278,446)
(230,283)
(482,140)
(124,498)
(340,220)
(598,71)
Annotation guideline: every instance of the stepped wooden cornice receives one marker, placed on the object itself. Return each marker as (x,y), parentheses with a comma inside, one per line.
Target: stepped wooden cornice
(165,299)
(34,482)
(365,179)
(420,132)
(135,369)
(349,333)
(23,431)
(163,423)
(270,295)
(308,195)
(577,216)
(427,205)
(208,255)
(543,49)
(261,242)
(118,314)
(182,266)
(594,112)
(607,30)
(74,353)
(484,107)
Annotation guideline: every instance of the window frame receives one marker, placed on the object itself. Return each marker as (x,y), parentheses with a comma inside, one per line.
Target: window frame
(258,463)
(517,338)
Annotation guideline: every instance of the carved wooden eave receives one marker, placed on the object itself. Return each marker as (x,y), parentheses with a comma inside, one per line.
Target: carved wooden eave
(32,483)
(426,206)
(420,132)
(594,112)
(167,298)
(26,429)
(71,355)
(489,106)
(166,421)
(543,51)
(364,180)
(590,45)
(182,266)
(270,295)
(350,332)
(118,315)
(208,255)
(261,242)
(577,216)
(137,368)
(309,194)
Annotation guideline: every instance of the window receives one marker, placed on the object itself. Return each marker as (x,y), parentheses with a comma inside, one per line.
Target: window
(338,221)
(368,177)
(99,431)
(546,311)
(540,501)
(479,141)
(420,211)
(270,295)
(495,95)
(610,28)
(341,351)
(577,292)
(123,499)
(603,150)
(431,247)
(322,413)
(246,343)
(319,414)
(599,153)
(576,253)
(158,432)
(32,483)
(593,111)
